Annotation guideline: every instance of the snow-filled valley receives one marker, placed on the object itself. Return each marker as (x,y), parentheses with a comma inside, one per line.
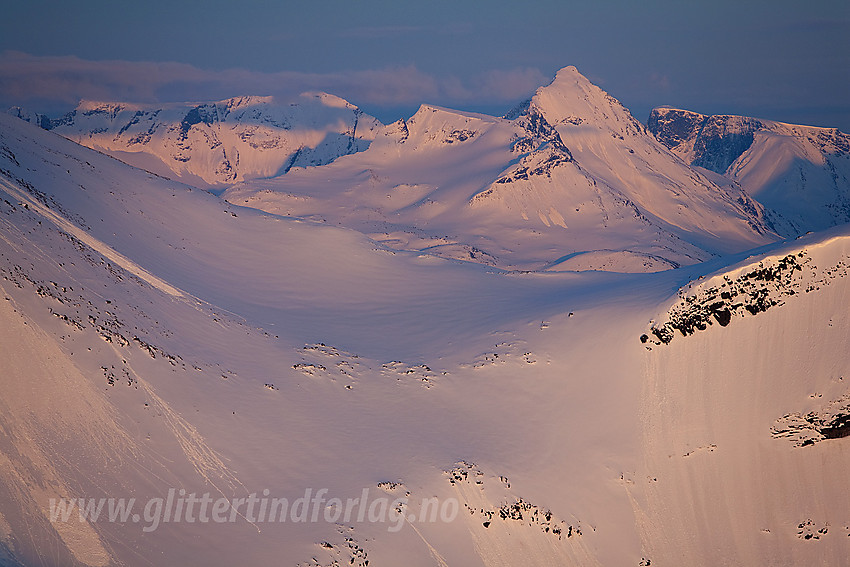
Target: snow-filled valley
(585,347)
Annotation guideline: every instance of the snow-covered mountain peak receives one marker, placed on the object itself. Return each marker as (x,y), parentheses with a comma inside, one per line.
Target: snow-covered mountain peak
(699,137)
(673,126)
(569,172)
(427,112)
(569,70)
(712,142)
(437,126)
(327,99)
(571,99)
(800,172)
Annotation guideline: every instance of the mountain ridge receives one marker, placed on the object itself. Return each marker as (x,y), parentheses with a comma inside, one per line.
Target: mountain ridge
(212,144)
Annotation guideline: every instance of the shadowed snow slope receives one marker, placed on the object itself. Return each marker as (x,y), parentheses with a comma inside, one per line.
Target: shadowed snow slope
(156,337)
(567,181)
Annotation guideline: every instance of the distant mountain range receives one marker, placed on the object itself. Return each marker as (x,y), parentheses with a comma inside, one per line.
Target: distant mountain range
(213,144)
(568,180)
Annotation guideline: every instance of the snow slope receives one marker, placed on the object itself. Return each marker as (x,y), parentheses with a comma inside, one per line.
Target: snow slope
(233,351)
(800,172)
(156,337)
(217,143)
(568,181)
(728,476)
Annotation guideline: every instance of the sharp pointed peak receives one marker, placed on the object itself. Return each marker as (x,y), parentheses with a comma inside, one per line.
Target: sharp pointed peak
(572,97)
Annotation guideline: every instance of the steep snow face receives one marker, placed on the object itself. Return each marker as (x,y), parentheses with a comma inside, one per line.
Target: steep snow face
(567,181)
(800,172)
(746,412)
(218,143)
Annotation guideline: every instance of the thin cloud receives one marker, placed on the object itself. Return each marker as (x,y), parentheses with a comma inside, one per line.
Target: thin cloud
(53,81)
(397,31)
(659,81)
(381,32)
(505,86)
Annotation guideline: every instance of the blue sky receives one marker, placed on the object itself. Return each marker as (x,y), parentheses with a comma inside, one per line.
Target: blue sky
(783,60)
